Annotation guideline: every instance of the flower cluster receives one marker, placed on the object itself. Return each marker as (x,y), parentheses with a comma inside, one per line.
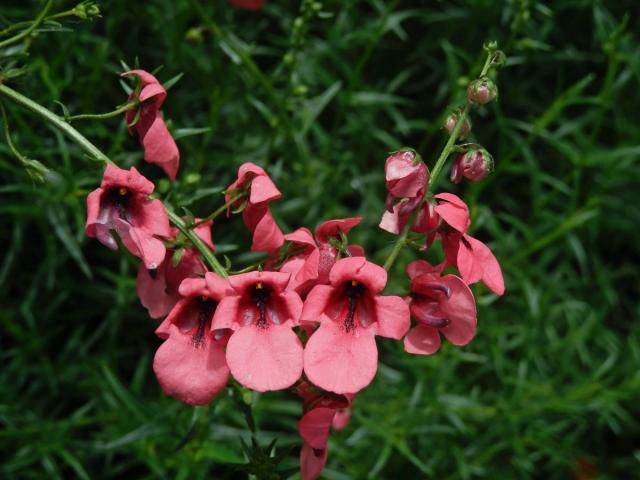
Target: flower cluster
(307,317)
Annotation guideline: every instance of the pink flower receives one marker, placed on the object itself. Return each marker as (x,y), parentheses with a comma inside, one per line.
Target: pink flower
(440,305)
(406,179)
(159,146)
(256,215)
(190,364)
(320,412)
(313,263)
(122,204)
(263,352)
(252,5)
(470,256)
(341,355)
(158,289)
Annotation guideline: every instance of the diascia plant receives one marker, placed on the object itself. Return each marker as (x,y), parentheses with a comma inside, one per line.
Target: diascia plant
(306,318)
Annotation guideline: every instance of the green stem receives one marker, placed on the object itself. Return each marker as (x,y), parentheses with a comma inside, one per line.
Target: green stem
(101,116)
(435,172)
(220,209)
(94,152)
(19,25)
(57,121)
(32,27)
(197,242)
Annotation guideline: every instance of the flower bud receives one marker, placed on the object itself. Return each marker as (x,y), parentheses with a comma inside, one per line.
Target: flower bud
(481,91)
(473,165)
(86,9)
(450,124)
(405,174)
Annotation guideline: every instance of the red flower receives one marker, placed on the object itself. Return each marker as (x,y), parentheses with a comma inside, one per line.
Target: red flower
(440,305)
(406,179)
(320,412)
(122,204)
(253,5)
(263,352)
(158,289)
(190,364)
(159,146)
(341,356)
(469,255)
(256,215)
(313,263)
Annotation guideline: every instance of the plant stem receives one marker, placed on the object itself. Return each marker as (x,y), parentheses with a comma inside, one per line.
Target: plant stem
(94,152)
(25,33)
(101,116)
(57,121)
(197,242)
(435,172)
(220,209)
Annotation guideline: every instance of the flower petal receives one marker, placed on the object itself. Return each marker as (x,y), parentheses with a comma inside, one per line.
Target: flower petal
(453,210)
(153,292)
(265,359)
(488,264)
(314,426)
(316,303)
(192,375)
(359,269)
(422,340)
(460,309)
(393,317)
(340,361)
(267,236)
(312,462)
(226,313)
(333,228)
(263,190)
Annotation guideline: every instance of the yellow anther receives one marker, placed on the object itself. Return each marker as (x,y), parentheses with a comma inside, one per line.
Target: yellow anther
(123,191)
(354,283)
(259,285)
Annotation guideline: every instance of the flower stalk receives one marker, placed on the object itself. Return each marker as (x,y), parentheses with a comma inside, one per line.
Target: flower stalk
(96,154)
(493,57)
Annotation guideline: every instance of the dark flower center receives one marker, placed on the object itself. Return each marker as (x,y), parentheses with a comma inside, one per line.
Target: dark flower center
(206,307)
(260,295)
(120,198)
(353,290)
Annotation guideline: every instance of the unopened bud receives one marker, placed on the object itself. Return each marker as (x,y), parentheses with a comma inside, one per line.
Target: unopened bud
(450,124)
(482,91)
(87,9)
(473,165)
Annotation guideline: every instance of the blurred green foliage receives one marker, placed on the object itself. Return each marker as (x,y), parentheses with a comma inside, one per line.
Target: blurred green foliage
(549,387)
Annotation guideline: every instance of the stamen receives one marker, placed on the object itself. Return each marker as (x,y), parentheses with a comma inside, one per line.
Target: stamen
(206,307)
(123,191)
(354,283)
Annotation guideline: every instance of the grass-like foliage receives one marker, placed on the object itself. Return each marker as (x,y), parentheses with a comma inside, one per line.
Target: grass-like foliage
(549,387)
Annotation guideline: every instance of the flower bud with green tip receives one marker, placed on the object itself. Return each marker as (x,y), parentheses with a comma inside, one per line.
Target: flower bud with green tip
(474,165)
(481,91)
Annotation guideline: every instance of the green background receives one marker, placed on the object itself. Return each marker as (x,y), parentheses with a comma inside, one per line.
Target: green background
(549,388)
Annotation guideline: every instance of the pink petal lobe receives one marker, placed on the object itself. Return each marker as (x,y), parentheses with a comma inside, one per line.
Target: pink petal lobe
(153,291)
(265,359)
(314,426)
(460,309)
(422,340)
(192,375)
(340,361)
(393,317)
(312,462)
(263,190)
(491,271)
(316,303)
(301,235)
(159,146)
(267,236)
(453,211)
(333,228)
(226,313)
(359,269)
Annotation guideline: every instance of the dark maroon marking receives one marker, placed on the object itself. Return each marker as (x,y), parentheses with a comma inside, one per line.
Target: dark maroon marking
(206,308)
(353,293)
